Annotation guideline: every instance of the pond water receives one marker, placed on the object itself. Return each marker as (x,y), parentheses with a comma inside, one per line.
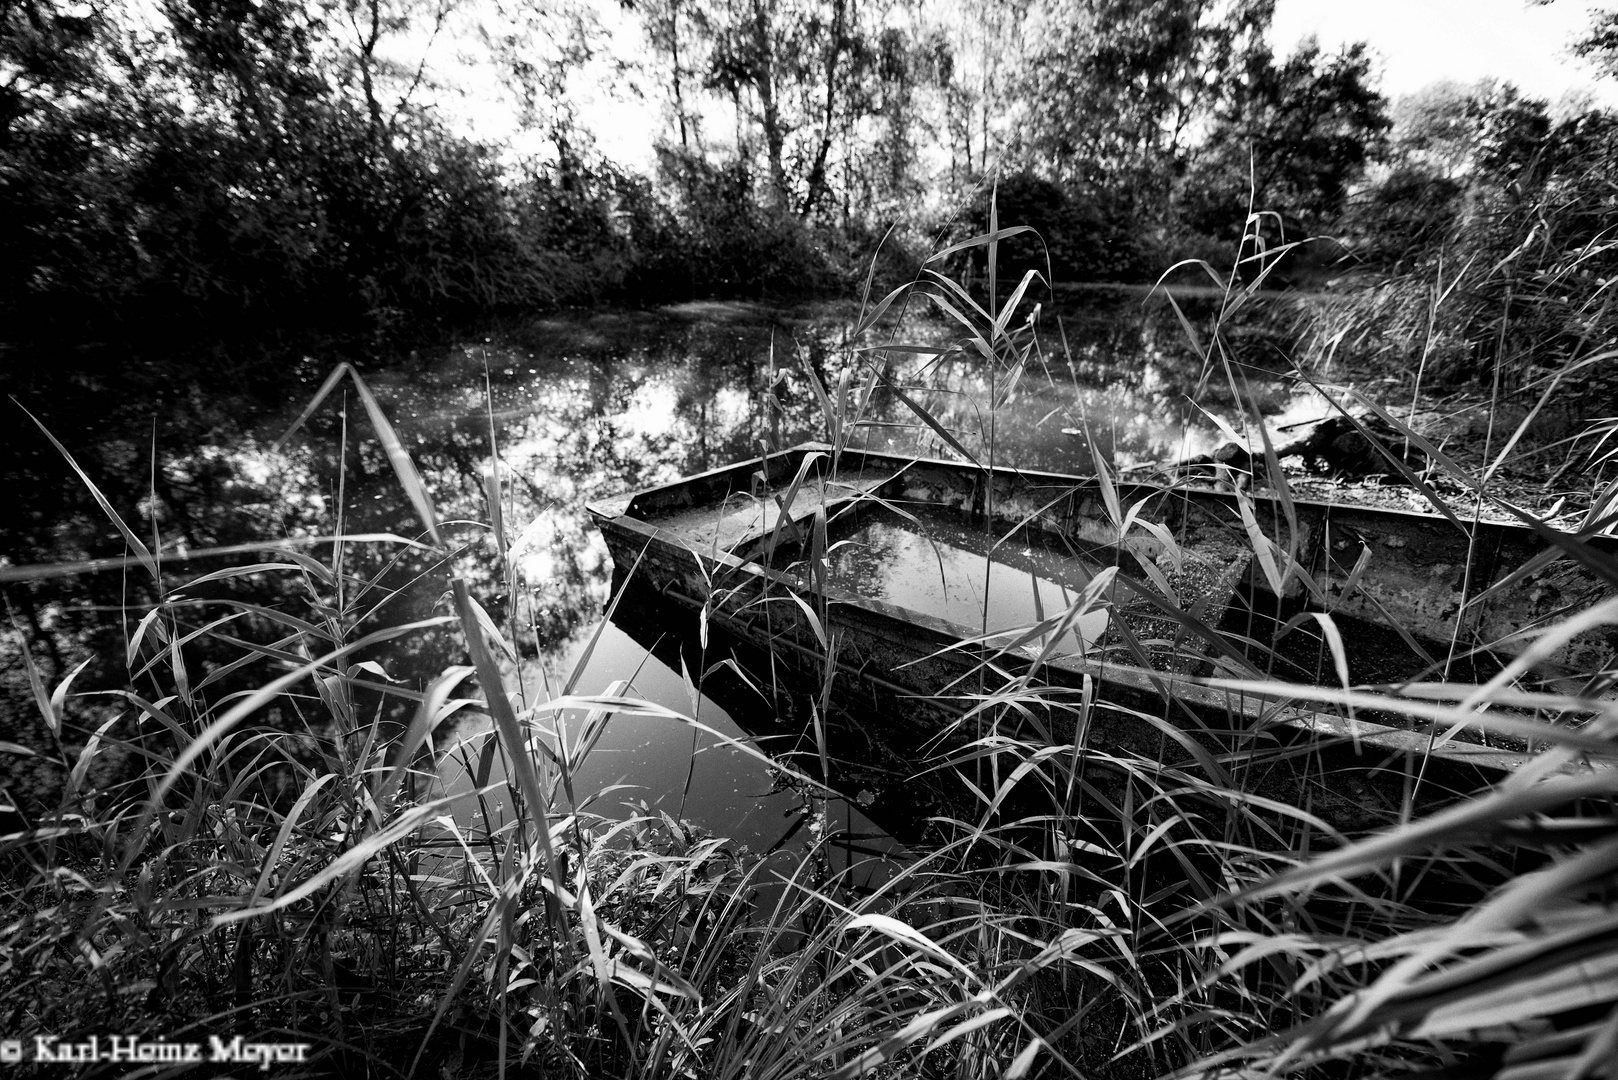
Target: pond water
(936,566)
(574,408)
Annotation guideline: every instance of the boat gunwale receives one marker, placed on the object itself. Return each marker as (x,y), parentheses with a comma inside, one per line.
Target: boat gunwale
(1189,691)
(1402,588)
(1073,481)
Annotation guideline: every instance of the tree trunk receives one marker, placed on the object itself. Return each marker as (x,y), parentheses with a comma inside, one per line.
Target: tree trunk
(769,108)
(373,107)
(817,173)
(674,52)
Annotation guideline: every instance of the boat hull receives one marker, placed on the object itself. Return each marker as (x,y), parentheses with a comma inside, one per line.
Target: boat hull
(735,575)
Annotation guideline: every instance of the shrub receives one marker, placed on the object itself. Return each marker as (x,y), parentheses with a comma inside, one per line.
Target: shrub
(1518,247)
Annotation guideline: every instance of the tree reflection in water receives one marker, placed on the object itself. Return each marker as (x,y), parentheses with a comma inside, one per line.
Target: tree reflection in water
(580,407)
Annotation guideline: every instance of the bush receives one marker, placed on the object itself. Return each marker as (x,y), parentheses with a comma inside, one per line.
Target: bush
(1079,238)
(1517,245)
(729,242)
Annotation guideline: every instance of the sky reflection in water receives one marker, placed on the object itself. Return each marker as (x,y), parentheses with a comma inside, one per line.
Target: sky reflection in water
(592,405)
(600,415)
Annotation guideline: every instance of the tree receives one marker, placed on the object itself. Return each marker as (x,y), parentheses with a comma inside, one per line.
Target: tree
(1114,89)
(886,170)
(1600,42)
(46,55)
(1436,127)
(667,34)
(792,68)
(1290,138)
(1505,211)
(257,55)
(986,41)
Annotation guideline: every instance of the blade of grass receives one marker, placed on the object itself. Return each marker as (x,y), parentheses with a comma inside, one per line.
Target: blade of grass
(142,553)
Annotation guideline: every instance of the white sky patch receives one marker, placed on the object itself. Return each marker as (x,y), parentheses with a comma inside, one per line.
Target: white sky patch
(619,100)
(652,410)
(731,404)
(609,96)
(1425,41)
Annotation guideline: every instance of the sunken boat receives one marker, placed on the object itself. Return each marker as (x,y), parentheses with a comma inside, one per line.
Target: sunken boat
(946,584)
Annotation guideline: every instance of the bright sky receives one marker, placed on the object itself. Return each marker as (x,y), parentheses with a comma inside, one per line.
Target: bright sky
(1417,42)
(1424,41)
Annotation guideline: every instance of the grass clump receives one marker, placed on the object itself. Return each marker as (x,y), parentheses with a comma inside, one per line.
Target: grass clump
(258,846)
(1257,932)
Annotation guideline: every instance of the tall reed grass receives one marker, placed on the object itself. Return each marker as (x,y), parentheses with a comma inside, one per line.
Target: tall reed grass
(250,849)
(1466,932)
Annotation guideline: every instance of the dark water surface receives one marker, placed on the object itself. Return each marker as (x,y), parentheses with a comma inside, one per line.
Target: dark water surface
(935,565)
(579,407)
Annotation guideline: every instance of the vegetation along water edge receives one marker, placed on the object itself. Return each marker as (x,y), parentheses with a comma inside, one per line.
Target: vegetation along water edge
(302,770)
(248,847)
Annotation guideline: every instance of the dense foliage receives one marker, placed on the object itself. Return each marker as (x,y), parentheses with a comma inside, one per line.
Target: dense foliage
(213,170)
(210,171)
(1124,893)
(1484,247)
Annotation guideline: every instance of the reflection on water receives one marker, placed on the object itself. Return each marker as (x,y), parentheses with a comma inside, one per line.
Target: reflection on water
(1120,368)
(576,408)
(657,765)
(940,569)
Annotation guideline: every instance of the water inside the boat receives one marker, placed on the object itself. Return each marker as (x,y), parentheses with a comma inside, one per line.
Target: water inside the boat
(942,564)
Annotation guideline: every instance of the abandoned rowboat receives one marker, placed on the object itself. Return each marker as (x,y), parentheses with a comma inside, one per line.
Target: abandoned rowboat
(941,580)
